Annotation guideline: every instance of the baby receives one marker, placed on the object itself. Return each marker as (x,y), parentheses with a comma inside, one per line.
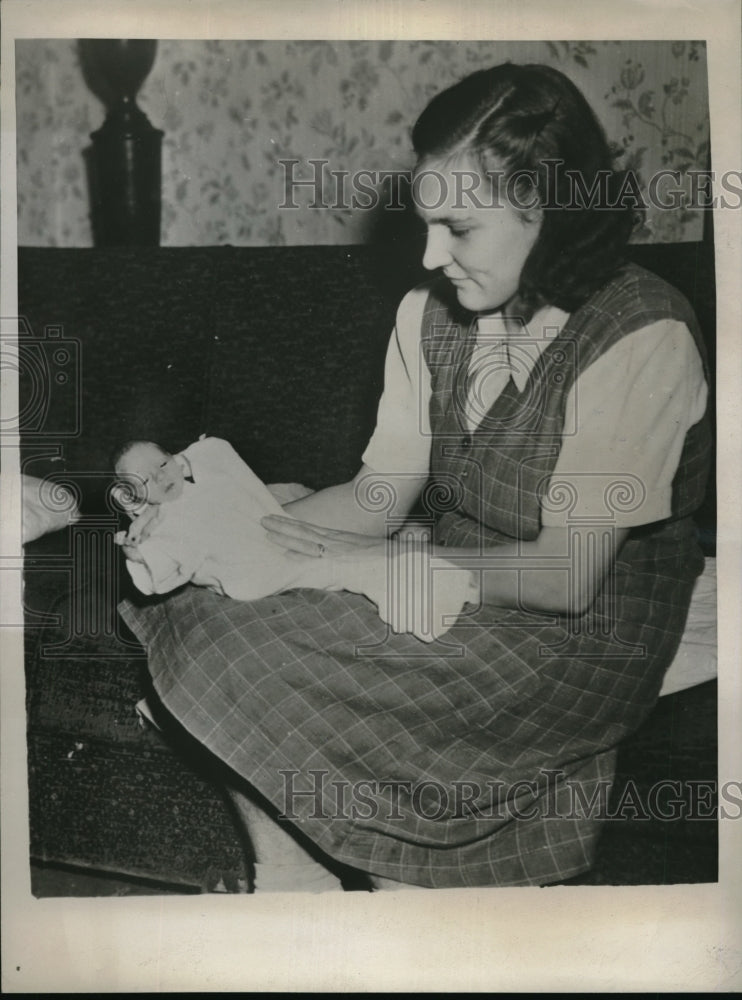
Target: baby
(196,518)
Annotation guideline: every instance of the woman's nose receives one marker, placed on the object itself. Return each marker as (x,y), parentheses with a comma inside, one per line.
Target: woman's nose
(437,253)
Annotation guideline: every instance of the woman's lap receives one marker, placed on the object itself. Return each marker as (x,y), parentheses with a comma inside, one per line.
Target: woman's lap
(374,742)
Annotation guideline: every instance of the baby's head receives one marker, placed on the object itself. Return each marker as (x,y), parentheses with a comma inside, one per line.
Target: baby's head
(148,473)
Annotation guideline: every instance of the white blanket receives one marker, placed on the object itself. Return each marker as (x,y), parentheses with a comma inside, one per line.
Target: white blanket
(695,661)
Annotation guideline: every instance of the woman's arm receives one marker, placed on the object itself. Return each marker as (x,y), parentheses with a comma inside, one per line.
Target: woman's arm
(562,571)
(370,504)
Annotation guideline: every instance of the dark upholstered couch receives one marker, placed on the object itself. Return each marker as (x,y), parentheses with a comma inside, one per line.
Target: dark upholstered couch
(279,350)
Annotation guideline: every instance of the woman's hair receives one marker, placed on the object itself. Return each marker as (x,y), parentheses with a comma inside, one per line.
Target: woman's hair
(532,119)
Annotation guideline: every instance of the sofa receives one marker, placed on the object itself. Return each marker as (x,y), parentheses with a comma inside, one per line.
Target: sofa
(280,350)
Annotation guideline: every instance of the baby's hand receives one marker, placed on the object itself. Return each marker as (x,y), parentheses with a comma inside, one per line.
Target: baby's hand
(131,550)
(142,525)
(138,532)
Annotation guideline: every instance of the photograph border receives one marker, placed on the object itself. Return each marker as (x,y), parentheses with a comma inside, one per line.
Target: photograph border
(578,939)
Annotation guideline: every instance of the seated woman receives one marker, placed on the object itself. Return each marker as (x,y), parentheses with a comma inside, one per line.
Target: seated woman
(552,397)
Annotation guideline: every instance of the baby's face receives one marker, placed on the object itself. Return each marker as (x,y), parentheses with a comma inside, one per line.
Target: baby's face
(153,474)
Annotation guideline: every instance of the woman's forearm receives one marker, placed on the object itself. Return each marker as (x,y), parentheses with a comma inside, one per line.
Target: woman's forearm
(370,503)
(336,507)
(562,571)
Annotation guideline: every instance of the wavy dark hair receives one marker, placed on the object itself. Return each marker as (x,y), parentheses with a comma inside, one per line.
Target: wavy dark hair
(527,119)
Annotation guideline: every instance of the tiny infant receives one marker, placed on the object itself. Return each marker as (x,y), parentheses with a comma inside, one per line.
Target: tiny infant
(196,518)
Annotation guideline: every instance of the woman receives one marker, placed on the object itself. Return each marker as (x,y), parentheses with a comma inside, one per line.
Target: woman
(553,400)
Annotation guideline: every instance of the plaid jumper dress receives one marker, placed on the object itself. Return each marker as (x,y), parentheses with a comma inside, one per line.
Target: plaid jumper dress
(486,757)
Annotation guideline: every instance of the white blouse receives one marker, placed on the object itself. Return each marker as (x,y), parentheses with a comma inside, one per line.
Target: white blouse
(626,416)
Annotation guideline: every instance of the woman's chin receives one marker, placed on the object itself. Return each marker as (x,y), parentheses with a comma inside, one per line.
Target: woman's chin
(466,293)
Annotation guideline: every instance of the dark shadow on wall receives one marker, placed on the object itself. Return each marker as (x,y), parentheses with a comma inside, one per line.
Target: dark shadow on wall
(398,236)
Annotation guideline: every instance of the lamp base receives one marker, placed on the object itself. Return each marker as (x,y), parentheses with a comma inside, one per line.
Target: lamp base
(124,173)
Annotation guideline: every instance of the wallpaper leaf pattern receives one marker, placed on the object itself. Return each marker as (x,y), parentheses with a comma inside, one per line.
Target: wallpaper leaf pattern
(231,110)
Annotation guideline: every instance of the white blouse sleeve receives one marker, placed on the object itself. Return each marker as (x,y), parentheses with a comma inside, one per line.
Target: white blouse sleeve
(401,441)
(626,420)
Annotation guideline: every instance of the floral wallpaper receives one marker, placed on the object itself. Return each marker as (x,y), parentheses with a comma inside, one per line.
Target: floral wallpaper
(231,110)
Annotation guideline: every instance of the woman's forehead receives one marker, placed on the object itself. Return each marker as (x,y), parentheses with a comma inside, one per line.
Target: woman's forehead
(448,168)
(453,185)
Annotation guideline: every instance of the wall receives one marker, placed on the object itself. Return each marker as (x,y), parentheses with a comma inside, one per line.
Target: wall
(232,110)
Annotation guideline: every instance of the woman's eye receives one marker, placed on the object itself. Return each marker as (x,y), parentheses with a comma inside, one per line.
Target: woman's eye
(459,231)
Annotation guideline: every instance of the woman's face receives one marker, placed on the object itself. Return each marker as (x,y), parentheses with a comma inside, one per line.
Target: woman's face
(479,240)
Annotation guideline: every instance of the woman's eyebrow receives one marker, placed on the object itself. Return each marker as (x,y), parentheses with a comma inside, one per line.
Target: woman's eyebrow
(446,220)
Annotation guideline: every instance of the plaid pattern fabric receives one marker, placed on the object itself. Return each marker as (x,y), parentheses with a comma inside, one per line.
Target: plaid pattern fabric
(305,691)
(479,759)
(492,480)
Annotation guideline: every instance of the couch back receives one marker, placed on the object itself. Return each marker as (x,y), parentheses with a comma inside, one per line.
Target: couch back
(280,350)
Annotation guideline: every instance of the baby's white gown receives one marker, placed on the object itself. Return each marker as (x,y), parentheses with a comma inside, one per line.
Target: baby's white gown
(212,536)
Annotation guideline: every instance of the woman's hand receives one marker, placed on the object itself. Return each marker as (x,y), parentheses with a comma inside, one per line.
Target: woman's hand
(314,540)
(397,576)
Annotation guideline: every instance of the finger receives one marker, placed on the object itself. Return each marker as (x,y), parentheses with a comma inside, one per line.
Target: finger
(297,557)
(302,528)
(290,526)
(304,546)
(339,540)
(307,542)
